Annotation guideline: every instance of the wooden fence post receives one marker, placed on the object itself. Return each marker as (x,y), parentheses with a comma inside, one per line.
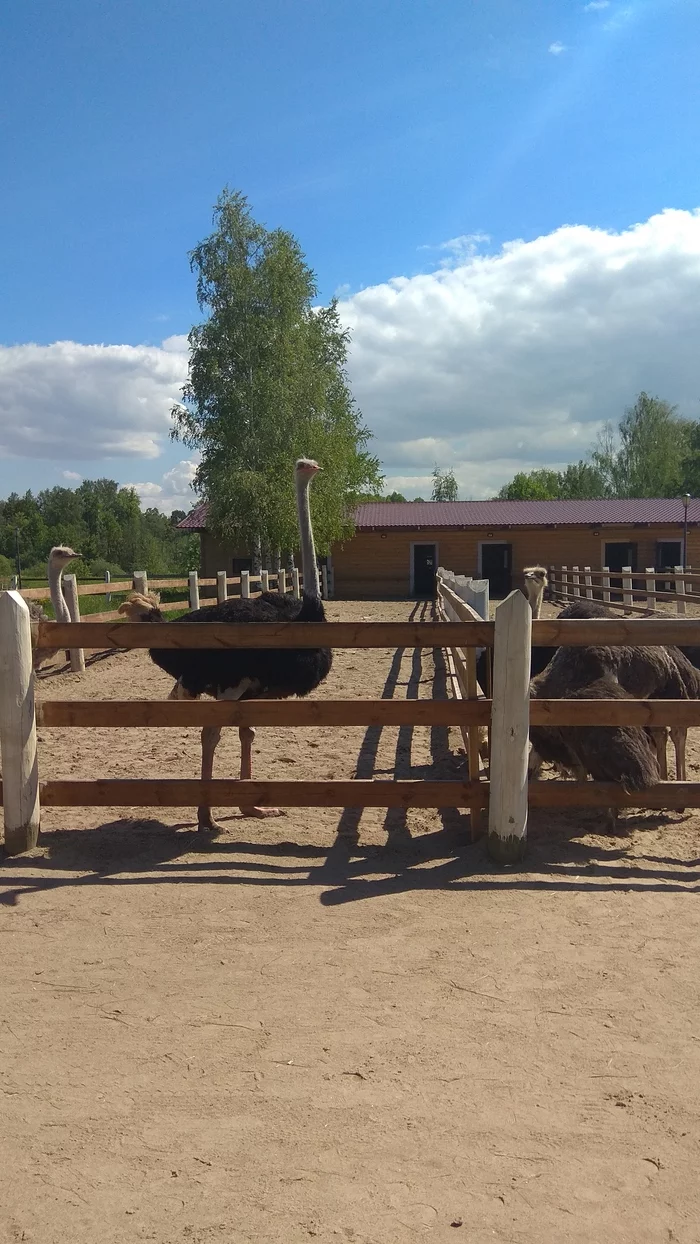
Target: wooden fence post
(20,775)
(221,587)
(324,581)
(576,581)
(510,725)
(108,594)
(680,590)
(245,584)
(264,580)
(295,584)
(193,579)
(141,582)
(564,584)
(77,656)
(606,585)
(651,587)
(282,581)
(589,582)
(627,598)
(14,583)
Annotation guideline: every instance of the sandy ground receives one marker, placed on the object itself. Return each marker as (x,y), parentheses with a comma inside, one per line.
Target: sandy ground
(342,1026)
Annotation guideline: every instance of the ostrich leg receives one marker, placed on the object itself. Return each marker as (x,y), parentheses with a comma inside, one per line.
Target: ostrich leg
(210,739)
(246,735)
(679,735)
(659,736)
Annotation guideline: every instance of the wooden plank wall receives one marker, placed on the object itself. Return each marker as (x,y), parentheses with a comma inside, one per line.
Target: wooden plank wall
(376,564)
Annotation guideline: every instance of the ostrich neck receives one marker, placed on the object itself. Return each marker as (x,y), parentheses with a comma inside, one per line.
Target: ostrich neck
(308,551)
(58,600)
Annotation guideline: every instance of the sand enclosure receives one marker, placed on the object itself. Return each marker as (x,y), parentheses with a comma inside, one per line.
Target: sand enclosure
(342,1025)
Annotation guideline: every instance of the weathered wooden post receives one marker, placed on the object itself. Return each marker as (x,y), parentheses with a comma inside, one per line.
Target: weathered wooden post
(606,585)
(221,587)
(245,584)
(627,597)
(564,584)
(680,590)
(20,774)
(576,581)
(589,582)
(141,582)
(108,594)
(295,584)
(264,580)
(324,581)
(193,579)
(651,587)
(510,724)
(14,583)
(77,656)
(282,582)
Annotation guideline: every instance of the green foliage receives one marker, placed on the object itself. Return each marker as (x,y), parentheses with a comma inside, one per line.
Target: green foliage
(444,485)
(267,385)
(645,458)
(540,485)
(394,496)
(652,453)
(100,520)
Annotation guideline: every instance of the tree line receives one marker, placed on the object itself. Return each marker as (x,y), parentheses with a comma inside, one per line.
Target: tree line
(100,520)
(653,452)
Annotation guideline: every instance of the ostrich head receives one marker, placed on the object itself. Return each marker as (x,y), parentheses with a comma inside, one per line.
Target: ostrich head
(306,468)
(61,555)
(141,607)
(535,583)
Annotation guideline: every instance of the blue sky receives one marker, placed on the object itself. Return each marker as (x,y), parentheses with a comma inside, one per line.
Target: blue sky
(375,131)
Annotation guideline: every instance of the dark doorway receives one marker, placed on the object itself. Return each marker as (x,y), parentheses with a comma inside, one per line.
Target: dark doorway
(497,566)
(668,556)
(241,563)
(617,556)
(424,569)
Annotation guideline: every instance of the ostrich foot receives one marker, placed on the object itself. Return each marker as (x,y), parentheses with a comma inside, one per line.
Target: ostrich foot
(206,823)
(263,812)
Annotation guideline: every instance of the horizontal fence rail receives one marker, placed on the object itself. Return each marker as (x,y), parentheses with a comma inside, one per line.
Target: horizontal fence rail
(163,713)
(261,634)
(227,793)
(546,632)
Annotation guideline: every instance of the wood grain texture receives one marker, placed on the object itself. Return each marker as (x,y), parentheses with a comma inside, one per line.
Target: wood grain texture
(92,714)
(268,635)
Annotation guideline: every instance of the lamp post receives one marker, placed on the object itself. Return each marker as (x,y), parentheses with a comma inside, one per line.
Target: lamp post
(685,498)
(17,560)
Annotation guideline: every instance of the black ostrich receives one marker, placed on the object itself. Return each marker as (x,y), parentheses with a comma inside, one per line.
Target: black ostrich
(247,673)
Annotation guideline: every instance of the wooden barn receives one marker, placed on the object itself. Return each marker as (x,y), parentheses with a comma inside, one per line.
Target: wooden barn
(397,547)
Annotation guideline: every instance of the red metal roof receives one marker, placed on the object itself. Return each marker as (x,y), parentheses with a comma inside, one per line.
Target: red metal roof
(442,514)
(386,515)
(196,520)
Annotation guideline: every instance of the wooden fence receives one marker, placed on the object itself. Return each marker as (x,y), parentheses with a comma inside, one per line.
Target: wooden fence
(244,585)
(632,591)
(508,713)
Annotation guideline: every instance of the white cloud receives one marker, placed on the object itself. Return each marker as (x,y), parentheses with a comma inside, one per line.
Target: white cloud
(174,492)
(556,49)
(73,476)
(620,18)
(595,5)
(88,401)
(493,363)
(515,360)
